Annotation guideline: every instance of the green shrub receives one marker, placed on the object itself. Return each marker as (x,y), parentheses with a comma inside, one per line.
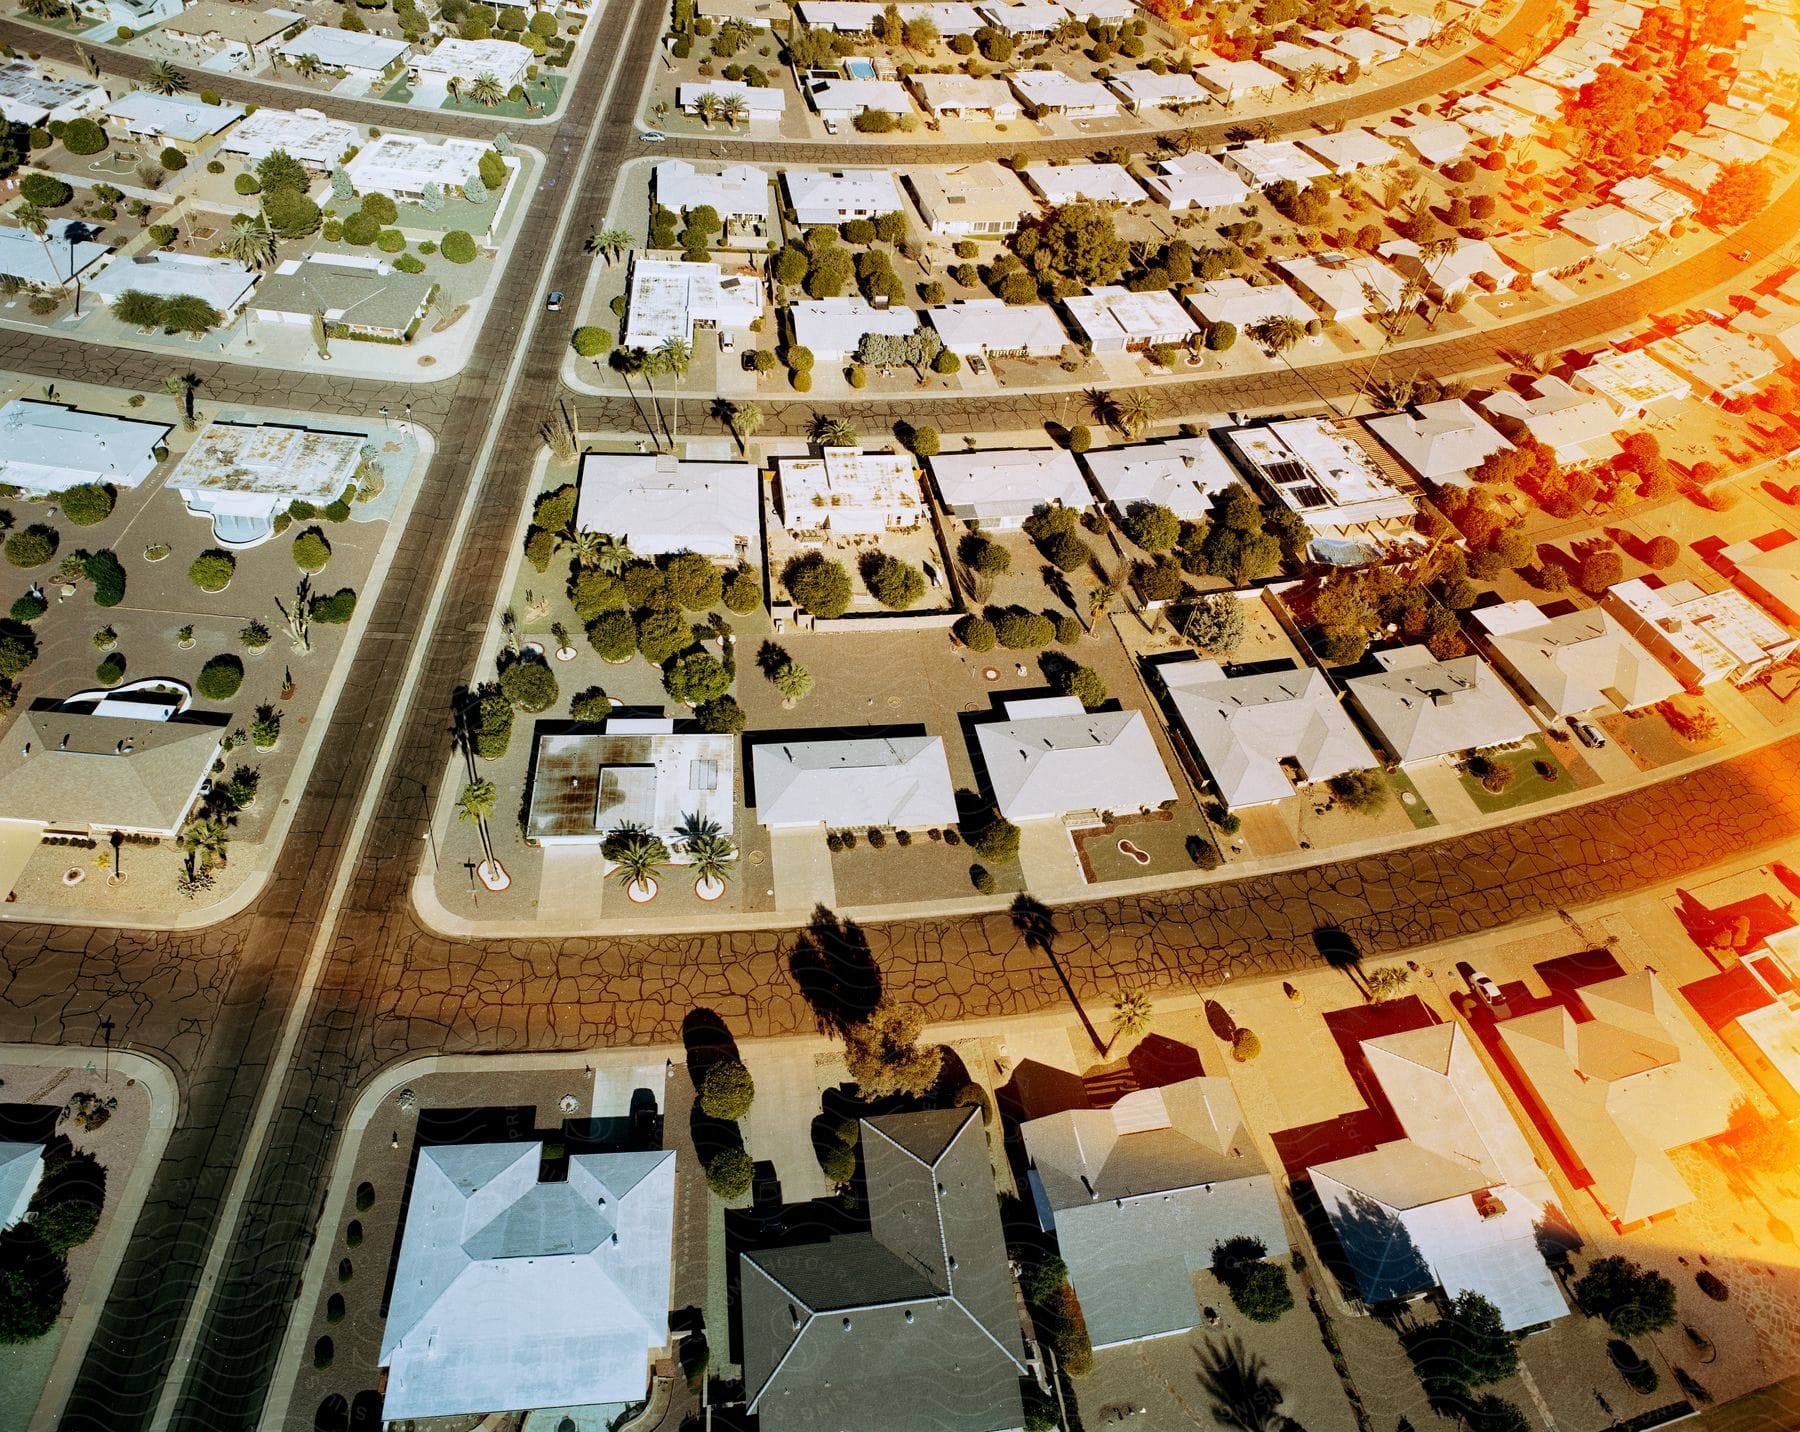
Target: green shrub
(722,716)
(311,550)
(743,591)
(336,609)
(409,263)
(66,1224)
(337,511)
(540,548)
(695,677)
(493,724)
(247,184)
(390,241)
(818,584)
(1083,683)
(220,678)
(1245,1046)
(1067,552)
(662,632)
(361,230)
(613,635)
(18,649)
(983,879)
(590,705)
(45,190)
(1262,1294)
(693,581)
(215,166)
(86,504)
(730,1172)
(727,1091)
(172,159)
(997,841)
(458,247)
(976,633)
(530,685)
(1634,1300)
(29,608)
(83,136)
(212,570)
(255,636)
(1081,438)
(110,670)
(31,547)
(108,576)
(895,584)
(380,208)
(1068,630)
(1024,631)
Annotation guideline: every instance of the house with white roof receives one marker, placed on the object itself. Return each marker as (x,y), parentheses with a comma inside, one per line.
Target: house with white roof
(1139,1193)
(1351,149)
(222,283)
(1577,427)
(982,200)
(1359,45)
(1655,202)
(21,1171)
(1693,173)
(1113,319)
(1473,263)
(1575,661)
(1344,288)
(1050,758)
(1721,362)
(1233,80)
(132,760)
(356,53)
(1530,97)
(1606,226)
(403,166)
(46,448)
(958,96)
(1259,736)
(830,196)
(30,97)
(1001,487)
(1422,709)
(1185,475)
(1632,381)
(1297,63)
(1027,19)
(1753,122)
(1322,473)
(1776,324)
(853,782)
(846,492)
(1145,90)
(638,774)
(168,120)
(1622,1089)
(1435,140)
(670,299)
(1442,442)
(318,142)
(465,61)
(1458,1201)
(1263,162)
(764,104)
(757,14)
(1408,30)
(1765,567)
(659,504)
(512,1291)
(1053,92)
(1701,636)
(66,250)
(1721,146)
(1195,181)
(834,328)
(1239,302)
(1544,255)
(838,101)
(242,475)
(1491,119)
(739,194)
(994,328)
(1060,184)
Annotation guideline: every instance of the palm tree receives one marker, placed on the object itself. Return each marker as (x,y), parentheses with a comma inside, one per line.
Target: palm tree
(475,806)
(711,857)
(1313,75)
(1099,600)
(639,856)
(205,838)
(1101,406)
(707,107)
(1244,1396)
(36,223)
(583,546)
(251,242)
(793,681)
(609,243)
(182,389)
(676,355)
(613,555)
(834,431)
(1136,413)
(163,78)
(1131,1013)
(486,89)
(733,108)
(654,365)
(1277,334)
(747,418)
(307,66)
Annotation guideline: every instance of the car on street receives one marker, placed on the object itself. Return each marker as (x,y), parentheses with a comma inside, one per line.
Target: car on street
(1485,987)
(651,136)
(1588,734)
(554,302)
(1741,255)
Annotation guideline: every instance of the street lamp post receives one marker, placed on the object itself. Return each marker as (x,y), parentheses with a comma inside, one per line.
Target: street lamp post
(384,415)
(72,272)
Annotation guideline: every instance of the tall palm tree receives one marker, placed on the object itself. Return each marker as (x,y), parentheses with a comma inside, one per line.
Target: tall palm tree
(486,89)
(475,806)
(308,66)
(163,78)
(251,242)
(711,857)
(1101,406)
(707,107)
(205,838)
(609,243)
(733,108)
(677,356)
(747,421)
(1131,1013)
(639,856)
(1277,334)
(612,555)
(582,545)
(1136,412)
(36,223)
(1313,75)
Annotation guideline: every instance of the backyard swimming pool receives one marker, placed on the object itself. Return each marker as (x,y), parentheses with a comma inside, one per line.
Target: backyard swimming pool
(859,67)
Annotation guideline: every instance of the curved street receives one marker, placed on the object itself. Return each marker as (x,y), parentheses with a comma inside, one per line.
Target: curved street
(214,1003)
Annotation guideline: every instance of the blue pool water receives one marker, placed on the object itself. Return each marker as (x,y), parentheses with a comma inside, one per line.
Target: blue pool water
(1339,553)
(859,68)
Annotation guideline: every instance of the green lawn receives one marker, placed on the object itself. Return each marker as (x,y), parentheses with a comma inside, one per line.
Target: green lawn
(541,97)
(1527,785)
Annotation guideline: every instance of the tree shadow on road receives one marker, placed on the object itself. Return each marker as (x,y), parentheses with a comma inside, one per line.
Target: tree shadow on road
(1036,923)
(832,964)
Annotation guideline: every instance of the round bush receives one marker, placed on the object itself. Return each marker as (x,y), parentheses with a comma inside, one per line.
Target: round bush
(1080,438)
(458,247)
(31,547)
(87,504)
(390,241)
(838,1164)
(338,511)
(998,841)
(976,633)
(247,184)
(29,608)
(530,685)
(1086,685)
(613,635)
(311,550)
(361,229)
(727,1091)
(67,1223)
(380,208)
(408,263)
(45,190)
(743,591)
(220,678)
(802,382)
(212,570)
(111,669)
(102,568)
(730,1173)
(83,136)
(172,159)
(1245,1046)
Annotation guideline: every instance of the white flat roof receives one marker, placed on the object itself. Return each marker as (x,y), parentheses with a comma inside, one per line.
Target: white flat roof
(1049,757)
(170,116)
(846,96)
(854,781)
(1145,89)
(669,298)
(305,135)
(344,49)
(1007,484)
(468,60)
(661,505)
(1265,162)
(404,163)
(1117,315)
(47,447)
(1632,380)
(1097,183)
(272,459)
(848,491)
(1185,475)
(1321,474)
